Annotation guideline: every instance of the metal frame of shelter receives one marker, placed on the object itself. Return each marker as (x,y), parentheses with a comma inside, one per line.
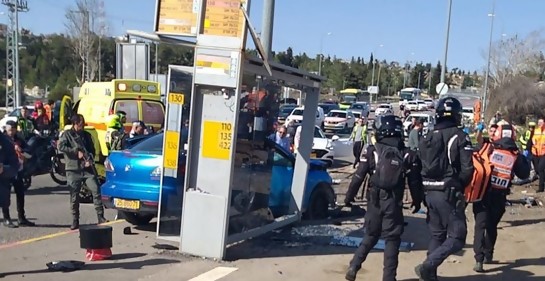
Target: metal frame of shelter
(209,173)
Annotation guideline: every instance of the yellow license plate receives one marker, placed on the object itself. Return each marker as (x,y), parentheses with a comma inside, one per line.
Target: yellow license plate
(127,204)
(313,155)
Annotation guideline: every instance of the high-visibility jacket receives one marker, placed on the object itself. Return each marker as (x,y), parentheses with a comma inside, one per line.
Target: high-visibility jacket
(525,138)
(538,142)
(502,162)
(363,133)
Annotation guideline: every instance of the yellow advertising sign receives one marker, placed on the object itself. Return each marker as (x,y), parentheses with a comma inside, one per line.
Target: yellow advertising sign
(177,17)
(224,18)
(170,155)
(217,140)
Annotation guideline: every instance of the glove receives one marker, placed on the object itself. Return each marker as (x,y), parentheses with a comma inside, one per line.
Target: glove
(480,127)
(525,153)
(416,207)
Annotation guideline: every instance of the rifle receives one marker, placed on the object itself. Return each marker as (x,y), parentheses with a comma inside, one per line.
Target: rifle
(87,158)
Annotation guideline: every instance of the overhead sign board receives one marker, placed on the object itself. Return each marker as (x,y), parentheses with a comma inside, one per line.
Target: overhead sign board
(373,90)
(224,18)
(177,17)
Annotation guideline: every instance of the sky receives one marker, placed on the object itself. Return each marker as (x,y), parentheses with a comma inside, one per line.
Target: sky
(395,30)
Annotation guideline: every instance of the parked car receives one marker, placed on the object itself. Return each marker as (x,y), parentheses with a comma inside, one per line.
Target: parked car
(422,106)
(357,114)
(430,103)
(467,114)
(133,177)
(327,107)
(339,120)
(428,122)
(12,116)
(384,108)
(297,116)
(284,112)
(412,105)
(362,107)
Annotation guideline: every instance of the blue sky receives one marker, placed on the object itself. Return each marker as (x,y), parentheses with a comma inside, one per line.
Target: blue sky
(358,27)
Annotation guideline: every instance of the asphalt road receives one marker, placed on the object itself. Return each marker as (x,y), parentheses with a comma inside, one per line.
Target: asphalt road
(47,205)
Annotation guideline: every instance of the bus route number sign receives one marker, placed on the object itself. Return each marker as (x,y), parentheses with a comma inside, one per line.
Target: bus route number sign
(217,140)
(175,98)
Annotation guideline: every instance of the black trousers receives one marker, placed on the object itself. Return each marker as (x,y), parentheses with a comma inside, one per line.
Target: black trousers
(356,150)
(448,228)
(19,189)
(355,184)
(384,219)
(539,166)
(488,214)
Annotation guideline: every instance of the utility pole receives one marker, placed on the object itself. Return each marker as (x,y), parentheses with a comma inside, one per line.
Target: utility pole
(267,26)
(87,32)
(13,89)
(102,31)
(444,66)
(485,98)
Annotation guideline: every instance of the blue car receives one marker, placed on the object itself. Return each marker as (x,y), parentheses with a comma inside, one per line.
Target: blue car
(133,179)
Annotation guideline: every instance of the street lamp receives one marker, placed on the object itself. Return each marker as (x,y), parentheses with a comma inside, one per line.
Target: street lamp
(406,70)
(374,60)
(444,66)
(485,98)
(321,52)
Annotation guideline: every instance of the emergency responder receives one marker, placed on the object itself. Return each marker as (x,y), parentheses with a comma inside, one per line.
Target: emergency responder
(113,126)
(9,165)
(447,167)
(507,162)
(122,119)
(526,139)
(538,153)
(40,119)
(25,126)
(387,162)
(77,146)
(18,185)
(359,136)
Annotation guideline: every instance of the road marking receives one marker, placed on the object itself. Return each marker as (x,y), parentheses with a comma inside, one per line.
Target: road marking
(48,236)
(215,274)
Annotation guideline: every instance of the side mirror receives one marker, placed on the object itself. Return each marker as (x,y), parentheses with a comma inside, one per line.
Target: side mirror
(335,138)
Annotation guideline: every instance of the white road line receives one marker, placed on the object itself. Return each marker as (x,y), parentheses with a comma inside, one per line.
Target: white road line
(215,274)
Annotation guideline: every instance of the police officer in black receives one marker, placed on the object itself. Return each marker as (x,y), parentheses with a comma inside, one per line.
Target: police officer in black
(388,162)
(9,165)
(447,167)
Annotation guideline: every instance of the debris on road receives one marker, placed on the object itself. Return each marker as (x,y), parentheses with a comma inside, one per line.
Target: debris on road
(354,242)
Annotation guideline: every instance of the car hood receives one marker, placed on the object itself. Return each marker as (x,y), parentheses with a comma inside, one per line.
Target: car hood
(320,143)
(335,119)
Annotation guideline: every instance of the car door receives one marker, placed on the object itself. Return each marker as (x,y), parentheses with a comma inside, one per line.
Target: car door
(281,181)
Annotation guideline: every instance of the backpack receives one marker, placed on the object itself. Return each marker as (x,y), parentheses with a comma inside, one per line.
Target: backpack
(118,140)
(389,172)
(431,151)
(477,187)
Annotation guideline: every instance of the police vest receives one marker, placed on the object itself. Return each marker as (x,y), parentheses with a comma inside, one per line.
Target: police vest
(502,162)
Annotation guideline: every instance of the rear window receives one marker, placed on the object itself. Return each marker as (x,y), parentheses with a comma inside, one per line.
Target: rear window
(130,107)
(152,112)
(153,145)
(384,106)
(297,112)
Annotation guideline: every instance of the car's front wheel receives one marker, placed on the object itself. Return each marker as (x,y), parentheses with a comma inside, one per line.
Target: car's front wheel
(318,205)
(135,218)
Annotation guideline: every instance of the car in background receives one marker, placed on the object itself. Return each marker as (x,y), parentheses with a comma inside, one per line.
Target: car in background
(339,120)
(285,111)
(297,116)
(357,114)
(133,179)
(430,103)
(13,116)
(422,106)
(427,119)
(384,108)
(322,147)
(467,114)
(412,105)
(327,107)
(362,107)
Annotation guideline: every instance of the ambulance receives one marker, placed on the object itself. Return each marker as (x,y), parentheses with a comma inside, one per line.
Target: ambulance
(139,99)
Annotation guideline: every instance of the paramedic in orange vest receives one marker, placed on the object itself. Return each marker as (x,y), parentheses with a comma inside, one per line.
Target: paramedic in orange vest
(507,162)
(538,153)
(477,111)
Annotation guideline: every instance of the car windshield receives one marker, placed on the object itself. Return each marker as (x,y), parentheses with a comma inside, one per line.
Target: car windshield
(421,117)
(318,133)
(17,111)
(357,106)
(152,145)
(286,109)
(384,106)
(428,100)
(336,114)
(297,112)
(467,110)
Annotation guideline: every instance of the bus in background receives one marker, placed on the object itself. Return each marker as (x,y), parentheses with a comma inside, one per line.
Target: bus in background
(350,96)
(408,94)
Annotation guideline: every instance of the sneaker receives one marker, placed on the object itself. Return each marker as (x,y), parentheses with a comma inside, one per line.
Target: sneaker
(25,222)
(351,274)
(9,224)
(101,219)
(488,259)
(424,274)
(478,267)
(75,225)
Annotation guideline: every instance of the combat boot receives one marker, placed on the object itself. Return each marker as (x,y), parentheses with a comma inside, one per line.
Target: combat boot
(24,222)
(351,273)
(101,219)
(488,259)
(75,224)
(478,267)
(425,274)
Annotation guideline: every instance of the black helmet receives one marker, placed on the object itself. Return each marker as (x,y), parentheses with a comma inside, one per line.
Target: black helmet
(449,108)
(386,126)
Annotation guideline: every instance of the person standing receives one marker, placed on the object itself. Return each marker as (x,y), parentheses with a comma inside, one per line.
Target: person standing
(359,136)
(77,146)
(18,185)
(387,162)
(447,167)
(414,135)
(538,153)
(281,138)
(9,166)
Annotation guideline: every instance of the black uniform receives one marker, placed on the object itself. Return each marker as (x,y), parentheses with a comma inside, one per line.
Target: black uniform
(384,216)
(490,210)
(10,164)
(447,167)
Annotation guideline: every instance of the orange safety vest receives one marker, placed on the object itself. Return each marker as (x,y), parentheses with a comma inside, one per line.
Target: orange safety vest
(538,142)
(476,189)
(502,161)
